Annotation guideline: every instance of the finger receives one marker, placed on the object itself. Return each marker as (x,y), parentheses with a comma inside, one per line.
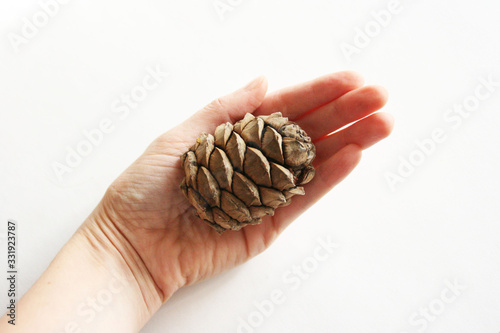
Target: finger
(363,133)
(328,175)
(229,108)
(350,107)
(296,100)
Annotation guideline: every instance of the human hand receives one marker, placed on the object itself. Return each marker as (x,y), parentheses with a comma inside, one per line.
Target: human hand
(147,209)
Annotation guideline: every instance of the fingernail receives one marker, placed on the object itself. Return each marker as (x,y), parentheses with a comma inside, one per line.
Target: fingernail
(254,83)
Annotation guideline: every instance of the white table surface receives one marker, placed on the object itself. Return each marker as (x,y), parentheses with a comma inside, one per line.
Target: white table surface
(401,247)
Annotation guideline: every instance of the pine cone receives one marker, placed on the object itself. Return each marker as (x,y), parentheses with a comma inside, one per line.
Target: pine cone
(244,172)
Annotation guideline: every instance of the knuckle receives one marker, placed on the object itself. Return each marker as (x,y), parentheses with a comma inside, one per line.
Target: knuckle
(217,103)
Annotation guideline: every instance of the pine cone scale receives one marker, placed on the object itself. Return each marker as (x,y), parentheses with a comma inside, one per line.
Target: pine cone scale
(221,169)
(257,167)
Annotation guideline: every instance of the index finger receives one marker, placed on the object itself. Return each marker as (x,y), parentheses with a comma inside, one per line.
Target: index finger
(296,100)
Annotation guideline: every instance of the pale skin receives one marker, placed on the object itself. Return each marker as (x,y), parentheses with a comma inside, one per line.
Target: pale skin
(142,242)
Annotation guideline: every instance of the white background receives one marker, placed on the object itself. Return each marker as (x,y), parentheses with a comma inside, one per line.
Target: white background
(397,246)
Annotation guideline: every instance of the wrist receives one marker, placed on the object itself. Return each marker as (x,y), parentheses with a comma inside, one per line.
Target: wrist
(96,283)
(109,248)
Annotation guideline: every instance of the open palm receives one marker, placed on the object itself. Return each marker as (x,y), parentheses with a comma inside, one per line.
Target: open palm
(147,207)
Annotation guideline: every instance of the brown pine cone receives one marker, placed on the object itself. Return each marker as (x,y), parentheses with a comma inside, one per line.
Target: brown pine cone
(244,172)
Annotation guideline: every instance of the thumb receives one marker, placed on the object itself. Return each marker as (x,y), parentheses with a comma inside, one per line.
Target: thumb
(231,107)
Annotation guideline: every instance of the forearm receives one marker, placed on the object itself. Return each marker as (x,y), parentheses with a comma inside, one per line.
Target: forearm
(95,284)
